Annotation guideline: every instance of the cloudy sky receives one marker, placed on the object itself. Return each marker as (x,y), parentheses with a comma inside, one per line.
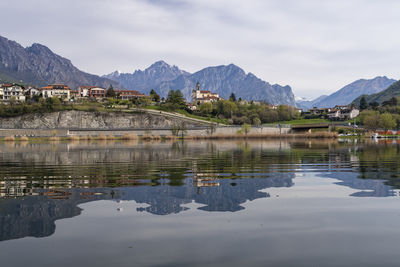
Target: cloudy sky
(315,46)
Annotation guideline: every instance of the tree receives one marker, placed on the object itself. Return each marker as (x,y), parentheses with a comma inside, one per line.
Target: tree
(13,101)
(284,113)
(256,121)
(371,121)
(175,100)
(154,96)
(110,92)
(227,108)
(374,104)
(232,97)
(206,108)
(390,102)
(387,121)
(246,128)
(179,129)
(363,103)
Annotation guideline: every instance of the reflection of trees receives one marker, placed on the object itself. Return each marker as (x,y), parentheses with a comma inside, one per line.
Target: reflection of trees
(374,169)
(380,162)
(164,176)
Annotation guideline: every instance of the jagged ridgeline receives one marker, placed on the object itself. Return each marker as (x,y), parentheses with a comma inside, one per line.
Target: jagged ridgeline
(223,80)
(37,65)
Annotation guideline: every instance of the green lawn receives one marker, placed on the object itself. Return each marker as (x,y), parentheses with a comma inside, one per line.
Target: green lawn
(187,114)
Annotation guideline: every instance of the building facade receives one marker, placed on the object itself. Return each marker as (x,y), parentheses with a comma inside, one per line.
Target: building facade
(56,90)
(128,94)
(13,91)
(200,96)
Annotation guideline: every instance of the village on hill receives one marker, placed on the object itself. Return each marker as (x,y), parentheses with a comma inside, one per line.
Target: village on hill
(202,100)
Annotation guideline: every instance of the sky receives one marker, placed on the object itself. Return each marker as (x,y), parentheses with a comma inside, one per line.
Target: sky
(315,46)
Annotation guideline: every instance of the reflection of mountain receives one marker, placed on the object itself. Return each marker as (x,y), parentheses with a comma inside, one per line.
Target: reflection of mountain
(36,216)
(369,188)
(226,197)
(220,176)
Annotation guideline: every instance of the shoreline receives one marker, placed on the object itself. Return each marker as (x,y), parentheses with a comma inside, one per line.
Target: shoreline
(150,137)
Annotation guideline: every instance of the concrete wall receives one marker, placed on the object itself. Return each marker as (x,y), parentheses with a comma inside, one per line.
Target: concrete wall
(32,132)
(161,132)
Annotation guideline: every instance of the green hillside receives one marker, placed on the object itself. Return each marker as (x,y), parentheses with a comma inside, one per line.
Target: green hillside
(385,95)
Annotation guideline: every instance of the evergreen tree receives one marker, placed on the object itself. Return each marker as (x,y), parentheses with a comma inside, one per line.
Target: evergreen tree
(232,97)
(363,103)
(175,99)
(374,104)
(110,92)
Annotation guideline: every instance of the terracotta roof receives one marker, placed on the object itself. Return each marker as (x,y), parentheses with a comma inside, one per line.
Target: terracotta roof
(205,92)
(52,87)
(10,84)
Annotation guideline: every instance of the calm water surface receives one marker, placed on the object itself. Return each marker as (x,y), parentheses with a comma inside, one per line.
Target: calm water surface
(275,203)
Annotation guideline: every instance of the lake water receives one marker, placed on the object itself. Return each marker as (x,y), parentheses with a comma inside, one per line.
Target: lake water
(256,203)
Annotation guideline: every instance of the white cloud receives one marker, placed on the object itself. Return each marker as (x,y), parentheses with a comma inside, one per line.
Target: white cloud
(314,46)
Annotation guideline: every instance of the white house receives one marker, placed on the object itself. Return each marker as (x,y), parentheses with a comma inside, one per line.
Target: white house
(343,114)
(32,91)
(56,90)
(13,91)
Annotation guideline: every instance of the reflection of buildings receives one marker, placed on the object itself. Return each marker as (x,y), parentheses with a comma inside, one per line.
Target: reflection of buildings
(203,179)
(13,189)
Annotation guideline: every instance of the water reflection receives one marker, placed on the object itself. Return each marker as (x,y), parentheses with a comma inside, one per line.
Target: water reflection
(42,183)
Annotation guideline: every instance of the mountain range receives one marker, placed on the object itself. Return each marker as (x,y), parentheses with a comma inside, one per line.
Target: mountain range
(347,94)
(224,80)
(37,65)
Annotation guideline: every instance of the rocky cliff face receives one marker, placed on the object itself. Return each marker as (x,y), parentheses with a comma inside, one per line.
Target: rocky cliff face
(223,80)
(150,78)
(93,120)
(38,65)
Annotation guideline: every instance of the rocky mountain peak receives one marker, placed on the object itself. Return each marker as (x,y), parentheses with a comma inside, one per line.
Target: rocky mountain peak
(37,65)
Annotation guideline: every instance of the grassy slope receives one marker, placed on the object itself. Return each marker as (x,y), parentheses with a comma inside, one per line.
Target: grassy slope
(187,114)
(392,91)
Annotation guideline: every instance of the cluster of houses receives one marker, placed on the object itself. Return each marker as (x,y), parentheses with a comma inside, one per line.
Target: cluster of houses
(20,93)
(336,113)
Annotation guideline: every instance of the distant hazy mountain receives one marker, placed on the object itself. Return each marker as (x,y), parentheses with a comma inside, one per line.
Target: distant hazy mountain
(150,78)
(347,94)
(38,65)
(223,80)
(308,104)
(392,91)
